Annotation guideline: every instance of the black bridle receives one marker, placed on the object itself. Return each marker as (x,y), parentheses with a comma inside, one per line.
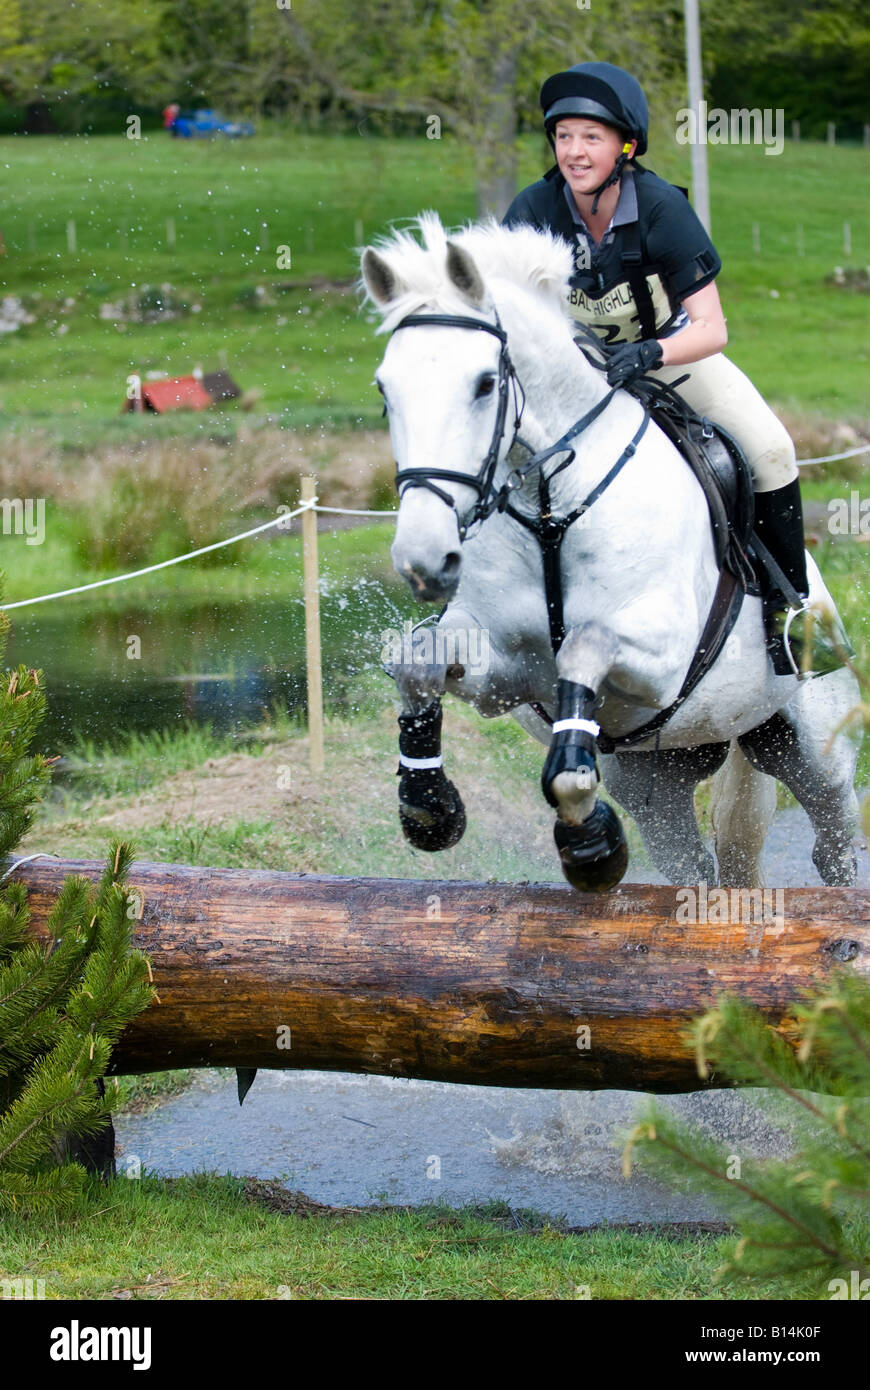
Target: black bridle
(489,498)
(507,382)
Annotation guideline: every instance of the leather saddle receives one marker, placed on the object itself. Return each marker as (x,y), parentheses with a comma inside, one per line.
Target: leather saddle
(721,468)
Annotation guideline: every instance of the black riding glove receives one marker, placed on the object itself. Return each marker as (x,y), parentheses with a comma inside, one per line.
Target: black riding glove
(633,360)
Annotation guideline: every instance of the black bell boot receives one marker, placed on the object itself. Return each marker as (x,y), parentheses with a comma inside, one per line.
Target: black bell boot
(779,524)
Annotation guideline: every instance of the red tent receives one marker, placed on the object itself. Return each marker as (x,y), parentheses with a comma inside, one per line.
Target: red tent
(175,393)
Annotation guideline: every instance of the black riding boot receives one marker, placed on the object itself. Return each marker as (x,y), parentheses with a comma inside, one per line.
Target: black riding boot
(779,523)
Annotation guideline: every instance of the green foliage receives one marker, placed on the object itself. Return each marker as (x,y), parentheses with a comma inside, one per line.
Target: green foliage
(804,1216)
(55,51)
(23,778)
(65,997)
(810,59)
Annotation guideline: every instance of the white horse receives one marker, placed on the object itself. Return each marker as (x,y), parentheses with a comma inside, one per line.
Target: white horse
(639,574)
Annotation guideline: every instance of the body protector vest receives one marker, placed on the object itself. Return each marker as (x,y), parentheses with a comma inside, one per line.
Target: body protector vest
(656,252)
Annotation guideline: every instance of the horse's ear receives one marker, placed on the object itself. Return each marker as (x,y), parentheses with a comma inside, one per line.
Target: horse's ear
(465,275)
(379,278)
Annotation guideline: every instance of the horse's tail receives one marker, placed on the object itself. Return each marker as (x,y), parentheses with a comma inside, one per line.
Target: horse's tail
(742,806)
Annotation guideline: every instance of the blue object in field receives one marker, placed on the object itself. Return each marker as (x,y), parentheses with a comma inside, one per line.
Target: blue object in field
(192,125)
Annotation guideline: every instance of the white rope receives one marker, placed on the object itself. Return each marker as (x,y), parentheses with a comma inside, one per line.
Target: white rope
(26,860)
(352,511)
(281,520)
(835,458)
(149,569)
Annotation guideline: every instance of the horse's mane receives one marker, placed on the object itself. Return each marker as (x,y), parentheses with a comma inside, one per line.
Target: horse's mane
(523,256)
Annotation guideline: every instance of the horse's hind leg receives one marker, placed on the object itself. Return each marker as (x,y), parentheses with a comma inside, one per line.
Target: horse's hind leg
(657,789)
(792,745)
(742,808)
(431,812)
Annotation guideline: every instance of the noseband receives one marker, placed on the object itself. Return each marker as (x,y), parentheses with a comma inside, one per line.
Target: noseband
(487,500)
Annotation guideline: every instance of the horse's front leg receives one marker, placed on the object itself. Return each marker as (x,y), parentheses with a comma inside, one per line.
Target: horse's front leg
(431,812)
(589,835)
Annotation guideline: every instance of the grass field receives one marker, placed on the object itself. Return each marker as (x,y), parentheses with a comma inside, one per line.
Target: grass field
(309,351)
(218,1238)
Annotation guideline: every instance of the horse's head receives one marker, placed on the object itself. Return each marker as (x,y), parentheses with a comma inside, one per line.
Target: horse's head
(449,389)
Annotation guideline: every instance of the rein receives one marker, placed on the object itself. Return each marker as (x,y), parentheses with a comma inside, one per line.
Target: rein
(490,499)
(548,530)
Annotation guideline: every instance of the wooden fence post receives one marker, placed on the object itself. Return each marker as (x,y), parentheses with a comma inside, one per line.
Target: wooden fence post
(312,627)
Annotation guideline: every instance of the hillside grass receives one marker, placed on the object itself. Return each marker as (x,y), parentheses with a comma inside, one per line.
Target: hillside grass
(302,347)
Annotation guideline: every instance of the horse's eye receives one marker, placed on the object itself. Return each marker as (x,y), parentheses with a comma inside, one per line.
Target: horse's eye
(484,386)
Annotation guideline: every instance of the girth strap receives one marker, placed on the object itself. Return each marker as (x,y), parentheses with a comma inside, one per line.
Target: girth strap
(724,611)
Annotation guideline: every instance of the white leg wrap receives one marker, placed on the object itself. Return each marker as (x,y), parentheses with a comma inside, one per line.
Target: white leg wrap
(587,726)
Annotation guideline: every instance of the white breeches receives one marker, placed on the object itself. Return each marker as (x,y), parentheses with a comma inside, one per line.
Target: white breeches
(719,390)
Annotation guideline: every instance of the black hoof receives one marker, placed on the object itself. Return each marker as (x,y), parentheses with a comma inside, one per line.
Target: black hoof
(594,855)
(430,810)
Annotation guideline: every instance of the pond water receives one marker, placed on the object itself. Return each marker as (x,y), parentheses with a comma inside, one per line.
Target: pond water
(227,664)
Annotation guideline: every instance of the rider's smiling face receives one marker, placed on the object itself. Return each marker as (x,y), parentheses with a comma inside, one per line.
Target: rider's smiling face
(586,152)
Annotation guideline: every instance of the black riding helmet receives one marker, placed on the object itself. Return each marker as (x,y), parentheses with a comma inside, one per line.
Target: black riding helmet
(605,93)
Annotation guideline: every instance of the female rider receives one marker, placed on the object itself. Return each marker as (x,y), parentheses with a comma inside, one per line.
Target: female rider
(644,281)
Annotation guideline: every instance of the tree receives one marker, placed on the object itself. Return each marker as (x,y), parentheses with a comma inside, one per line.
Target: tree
(798,1217)
(476,67)
(809,58)
(64,1000)
(55,52)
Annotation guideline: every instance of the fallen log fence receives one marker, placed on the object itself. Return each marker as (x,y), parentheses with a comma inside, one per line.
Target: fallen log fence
(492,984)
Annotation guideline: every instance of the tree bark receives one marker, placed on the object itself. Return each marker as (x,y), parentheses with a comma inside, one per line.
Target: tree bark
(488,984)
(496,150)
(95,1152)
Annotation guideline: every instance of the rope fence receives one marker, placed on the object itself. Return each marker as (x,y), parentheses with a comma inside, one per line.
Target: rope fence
(309,505)
(192,554)
(306,509)
(835,458)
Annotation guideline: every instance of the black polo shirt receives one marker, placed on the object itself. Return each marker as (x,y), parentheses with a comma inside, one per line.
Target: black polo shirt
(677,255)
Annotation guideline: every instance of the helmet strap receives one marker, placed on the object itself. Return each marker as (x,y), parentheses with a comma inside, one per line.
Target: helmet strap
(614,176)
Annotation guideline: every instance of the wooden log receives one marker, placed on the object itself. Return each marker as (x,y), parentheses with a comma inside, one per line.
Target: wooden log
(490,984)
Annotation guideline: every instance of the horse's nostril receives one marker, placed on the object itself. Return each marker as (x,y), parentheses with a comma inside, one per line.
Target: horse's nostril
(450,568)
